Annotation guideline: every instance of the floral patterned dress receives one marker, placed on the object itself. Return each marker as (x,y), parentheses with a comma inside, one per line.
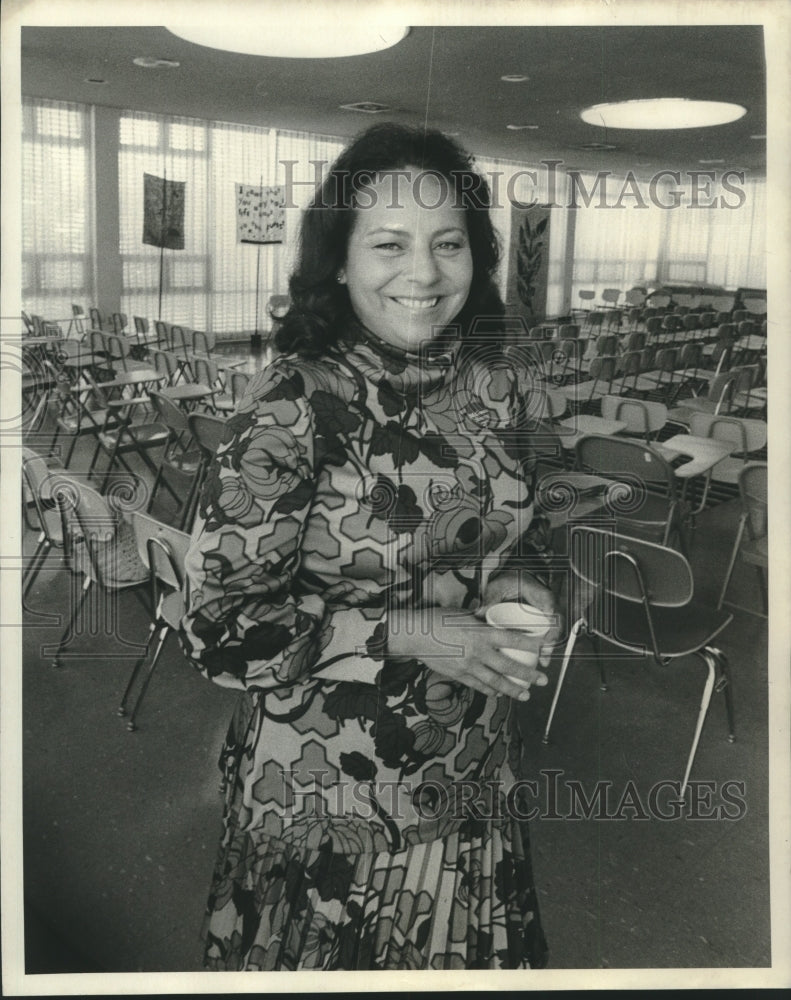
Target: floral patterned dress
(367,821)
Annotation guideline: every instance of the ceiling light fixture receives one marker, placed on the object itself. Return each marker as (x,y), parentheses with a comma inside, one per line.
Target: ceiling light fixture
(95,80)
(326,36)
(365,107)
(662,113)
(518,128)
(152,62)
(758,136)
(711,161)
(514,78)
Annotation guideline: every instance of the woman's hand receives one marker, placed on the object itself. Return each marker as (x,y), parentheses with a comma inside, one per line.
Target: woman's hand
(458,645)
(524,588)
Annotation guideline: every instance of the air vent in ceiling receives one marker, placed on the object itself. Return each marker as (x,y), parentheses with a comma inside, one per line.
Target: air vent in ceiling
(365,107)
(603,147)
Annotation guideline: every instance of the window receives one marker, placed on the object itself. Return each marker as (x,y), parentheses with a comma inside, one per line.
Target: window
(57,220)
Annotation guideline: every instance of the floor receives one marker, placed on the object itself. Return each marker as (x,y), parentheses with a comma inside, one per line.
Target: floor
(120,828)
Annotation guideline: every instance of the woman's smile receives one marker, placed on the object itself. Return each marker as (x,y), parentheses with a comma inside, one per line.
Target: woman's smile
(408,265)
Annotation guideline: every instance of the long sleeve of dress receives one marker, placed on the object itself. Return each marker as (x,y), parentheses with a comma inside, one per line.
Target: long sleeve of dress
(249,622)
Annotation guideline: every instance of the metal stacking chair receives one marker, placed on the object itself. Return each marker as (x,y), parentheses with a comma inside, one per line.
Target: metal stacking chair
(163,550)
(643,417)
(599,382)
(180,454)
(718,399)
(36,482)
(751,543)
(100,546)
(208,433)
(746,438)
(643,499)
(643,602)
(128,429)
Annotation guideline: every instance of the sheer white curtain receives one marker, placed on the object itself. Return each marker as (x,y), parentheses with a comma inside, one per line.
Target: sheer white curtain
(617,237)
(722,244)
(57,208)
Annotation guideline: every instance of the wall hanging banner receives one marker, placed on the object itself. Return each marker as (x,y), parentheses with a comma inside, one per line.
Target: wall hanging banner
(260,214)
(163,212)
(528,263)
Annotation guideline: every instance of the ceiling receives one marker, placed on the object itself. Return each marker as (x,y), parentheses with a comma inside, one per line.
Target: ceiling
(448,77)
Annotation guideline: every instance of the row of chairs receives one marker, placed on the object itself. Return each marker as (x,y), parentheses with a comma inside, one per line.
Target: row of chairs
(114,553)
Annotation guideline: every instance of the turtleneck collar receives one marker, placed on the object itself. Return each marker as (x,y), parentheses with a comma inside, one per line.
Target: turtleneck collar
(404,371)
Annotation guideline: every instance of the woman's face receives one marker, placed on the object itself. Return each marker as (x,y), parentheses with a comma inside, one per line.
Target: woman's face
(408,263)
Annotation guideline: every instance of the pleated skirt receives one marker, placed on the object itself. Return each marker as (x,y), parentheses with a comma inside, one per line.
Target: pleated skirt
(465,901)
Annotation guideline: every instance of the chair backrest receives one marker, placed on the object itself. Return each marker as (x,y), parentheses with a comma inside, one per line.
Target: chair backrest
(630,363)
(239,382)
(634,297)
(746,434)
(202,342)
(632,569)
(180,340)
(117,347)
(162,549)
(607,344)
(753,490)
(120,322)
(547,404)
(141,324)
(97,320)
(165,364)
(641,416)
(653,325)
(568,330)
(162,328)
(168,412)
(208,431)
(611,295)
(636,341)
(691,355)
(37,478)
(614,456)
(586,294)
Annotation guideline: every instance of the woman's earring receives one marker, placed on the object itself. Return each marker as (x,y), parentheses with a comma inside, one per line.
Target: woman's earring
(340,277)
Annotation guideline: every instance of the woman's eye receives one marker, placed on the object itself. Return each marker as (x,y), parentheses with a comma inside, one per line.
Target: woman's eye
(388,246)
(449,245)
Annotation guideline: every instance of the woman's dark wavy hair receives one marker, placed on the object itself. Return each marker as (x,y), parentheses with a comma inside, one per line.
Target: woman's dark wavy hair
(320,309)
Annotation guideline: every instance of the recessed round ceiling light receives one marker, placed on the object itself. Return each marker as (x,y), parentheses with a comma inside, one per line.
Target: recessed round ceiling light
(152,62)
(514,78)
(662,113)
(325,37)
(518,128)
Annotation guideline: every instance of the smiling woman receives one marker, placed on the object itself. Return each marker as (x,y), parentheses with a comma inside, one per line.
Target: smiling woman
(372,499)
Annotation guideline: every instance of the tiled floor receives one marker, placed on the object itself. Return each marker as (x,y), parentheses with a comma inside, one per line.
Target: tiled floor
(120,828)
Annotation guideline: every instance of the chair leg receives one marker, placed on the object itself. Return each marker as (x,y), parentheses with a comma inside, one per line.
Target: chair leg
(37,560)
(711,664)
(136,670)
(163,634)
(572,639)
(86,586)
(732,563)
(724,684)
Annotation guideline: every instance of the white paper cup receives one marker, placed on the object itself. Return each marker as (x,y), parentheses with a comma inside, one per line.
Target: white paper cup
(525,618)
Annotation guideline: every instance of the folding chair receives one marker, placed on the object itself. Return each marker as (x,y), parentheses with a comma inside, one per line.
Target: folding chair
(163,550)
(642,602)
